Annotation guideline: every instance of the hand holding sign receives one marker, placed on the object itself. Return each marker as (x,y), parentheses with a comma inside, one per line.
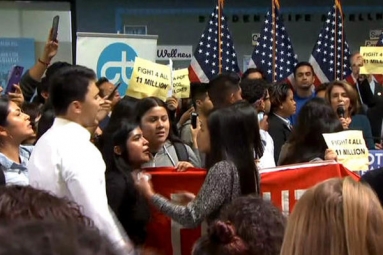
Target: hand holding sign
(350,149)
(181,83)
(149,79)
(372,60)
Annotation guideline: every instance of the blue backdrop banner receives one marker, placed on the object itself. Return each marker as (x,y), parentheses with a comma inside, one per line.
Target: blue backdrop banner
(15,51)
(376,159)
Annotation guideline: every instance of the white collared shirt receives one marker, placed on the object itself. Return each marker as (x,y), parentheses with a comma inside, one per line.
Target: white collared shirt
(267,160)
(372,86)
(286,121)
(65,163)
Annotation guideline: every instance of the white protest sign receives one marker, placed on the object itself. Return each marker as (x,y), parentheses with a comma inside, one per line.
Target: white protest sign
(350,147)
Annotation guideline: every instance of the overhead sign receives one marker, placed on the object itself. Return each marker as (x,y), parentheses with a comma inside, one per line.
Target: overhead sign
(254,38)
(174,52)
(375,33)
(112,55)
(135,30)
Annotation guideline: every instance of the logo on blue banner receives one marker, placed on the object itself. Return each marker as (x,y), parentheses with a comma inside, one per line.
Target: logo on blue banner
(375,159)
(116,63)
(15,51)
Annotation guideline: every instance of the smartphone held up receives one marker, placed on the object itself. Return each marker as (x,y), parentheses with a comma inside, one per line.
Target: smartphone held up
(113,93)
(55,28)
(14,77)
(194,117)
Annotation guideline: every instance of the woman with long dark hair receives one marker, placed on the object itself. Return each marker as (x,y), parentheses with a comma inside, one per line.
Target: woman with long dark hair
(228,137)
(306,142)
(15,127)
(128,151)
(123,110)
(166,148)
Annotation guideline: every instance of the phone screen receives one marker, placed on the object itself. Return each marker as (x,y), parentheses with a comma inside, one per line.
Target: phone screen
(194,120)
(55,27)
(15,75)
(110,97)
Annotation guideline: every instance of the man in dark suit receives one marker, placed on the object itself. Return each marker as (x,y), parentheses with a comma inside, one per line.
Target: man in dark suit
(376,88)
(361,82)
(375,116)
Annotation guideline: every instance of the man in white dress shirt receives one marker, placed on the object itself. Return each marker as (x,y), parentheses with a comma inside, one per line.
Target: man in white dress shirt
(65,162)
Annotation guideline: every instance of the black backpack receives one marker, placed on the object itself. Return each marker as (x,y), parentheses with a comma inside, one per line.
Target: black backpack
(181,151)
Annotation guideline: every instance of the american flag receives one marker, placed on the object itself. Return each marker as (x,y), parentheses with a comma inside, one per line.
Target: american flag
(331,54)
(380,41)
(205,63)
(274,53)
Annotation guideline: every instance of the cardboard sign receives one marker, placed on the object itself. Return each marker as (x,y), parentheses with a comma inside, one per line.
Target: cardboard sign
(350,147)
(149,79)
(372,60)
(181,83)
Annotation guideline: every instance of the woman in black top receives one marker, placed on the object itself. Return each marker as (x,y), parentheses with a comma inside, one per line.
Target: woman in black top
(129,150)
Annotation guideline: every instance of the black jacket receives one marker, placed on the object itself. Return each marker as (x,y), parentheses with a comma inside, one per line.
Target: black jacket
(280,132)
(130,207)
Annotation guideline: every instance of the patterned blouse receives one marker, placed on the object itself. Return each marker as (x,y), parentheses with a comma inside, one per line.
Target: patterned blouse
(220,187)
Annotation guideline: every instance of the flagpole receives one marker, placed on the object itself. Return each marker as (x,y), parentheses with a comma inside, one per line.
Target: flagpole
(335,39)
(220,7)
(273,3)
(342,43)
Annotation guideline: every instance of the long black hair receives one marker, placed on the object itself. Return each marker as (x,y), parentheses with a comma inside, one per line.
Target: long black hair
(148,103)
(123,110)
(4,110)
(132,210)
(234,136)
(120,138)
(306,142)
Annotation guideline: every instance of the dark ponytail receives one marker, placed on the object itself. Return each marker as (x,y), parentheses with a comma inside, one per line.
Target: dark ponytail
(221,239)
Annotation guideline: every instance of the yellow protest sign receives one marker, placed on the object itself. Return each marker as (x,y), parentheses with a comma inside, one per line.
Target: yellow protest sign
(372,60)
(350,147)
(181,83)
(149,79)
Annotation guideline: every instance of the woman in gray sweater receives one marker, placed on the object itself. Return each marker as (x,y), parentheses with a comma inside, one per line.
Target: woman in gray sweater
(166,149)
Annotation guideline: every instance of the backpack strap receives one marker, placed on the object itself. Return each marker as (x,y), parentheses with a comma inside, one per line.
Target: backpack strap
(181,151)
(2,177)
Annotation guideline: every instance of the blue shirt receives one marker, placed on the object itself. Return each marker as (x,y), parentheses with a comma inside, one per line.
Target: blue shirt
(15,173)
(300,102)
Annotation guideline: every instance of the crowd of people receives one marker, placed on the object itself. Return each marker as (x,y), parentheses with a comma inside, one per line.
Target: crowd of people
(73,163)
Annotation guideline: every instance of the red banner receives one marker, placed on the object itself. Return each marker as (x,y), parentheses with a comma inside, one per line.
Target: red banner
(164,234)
(283,185)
